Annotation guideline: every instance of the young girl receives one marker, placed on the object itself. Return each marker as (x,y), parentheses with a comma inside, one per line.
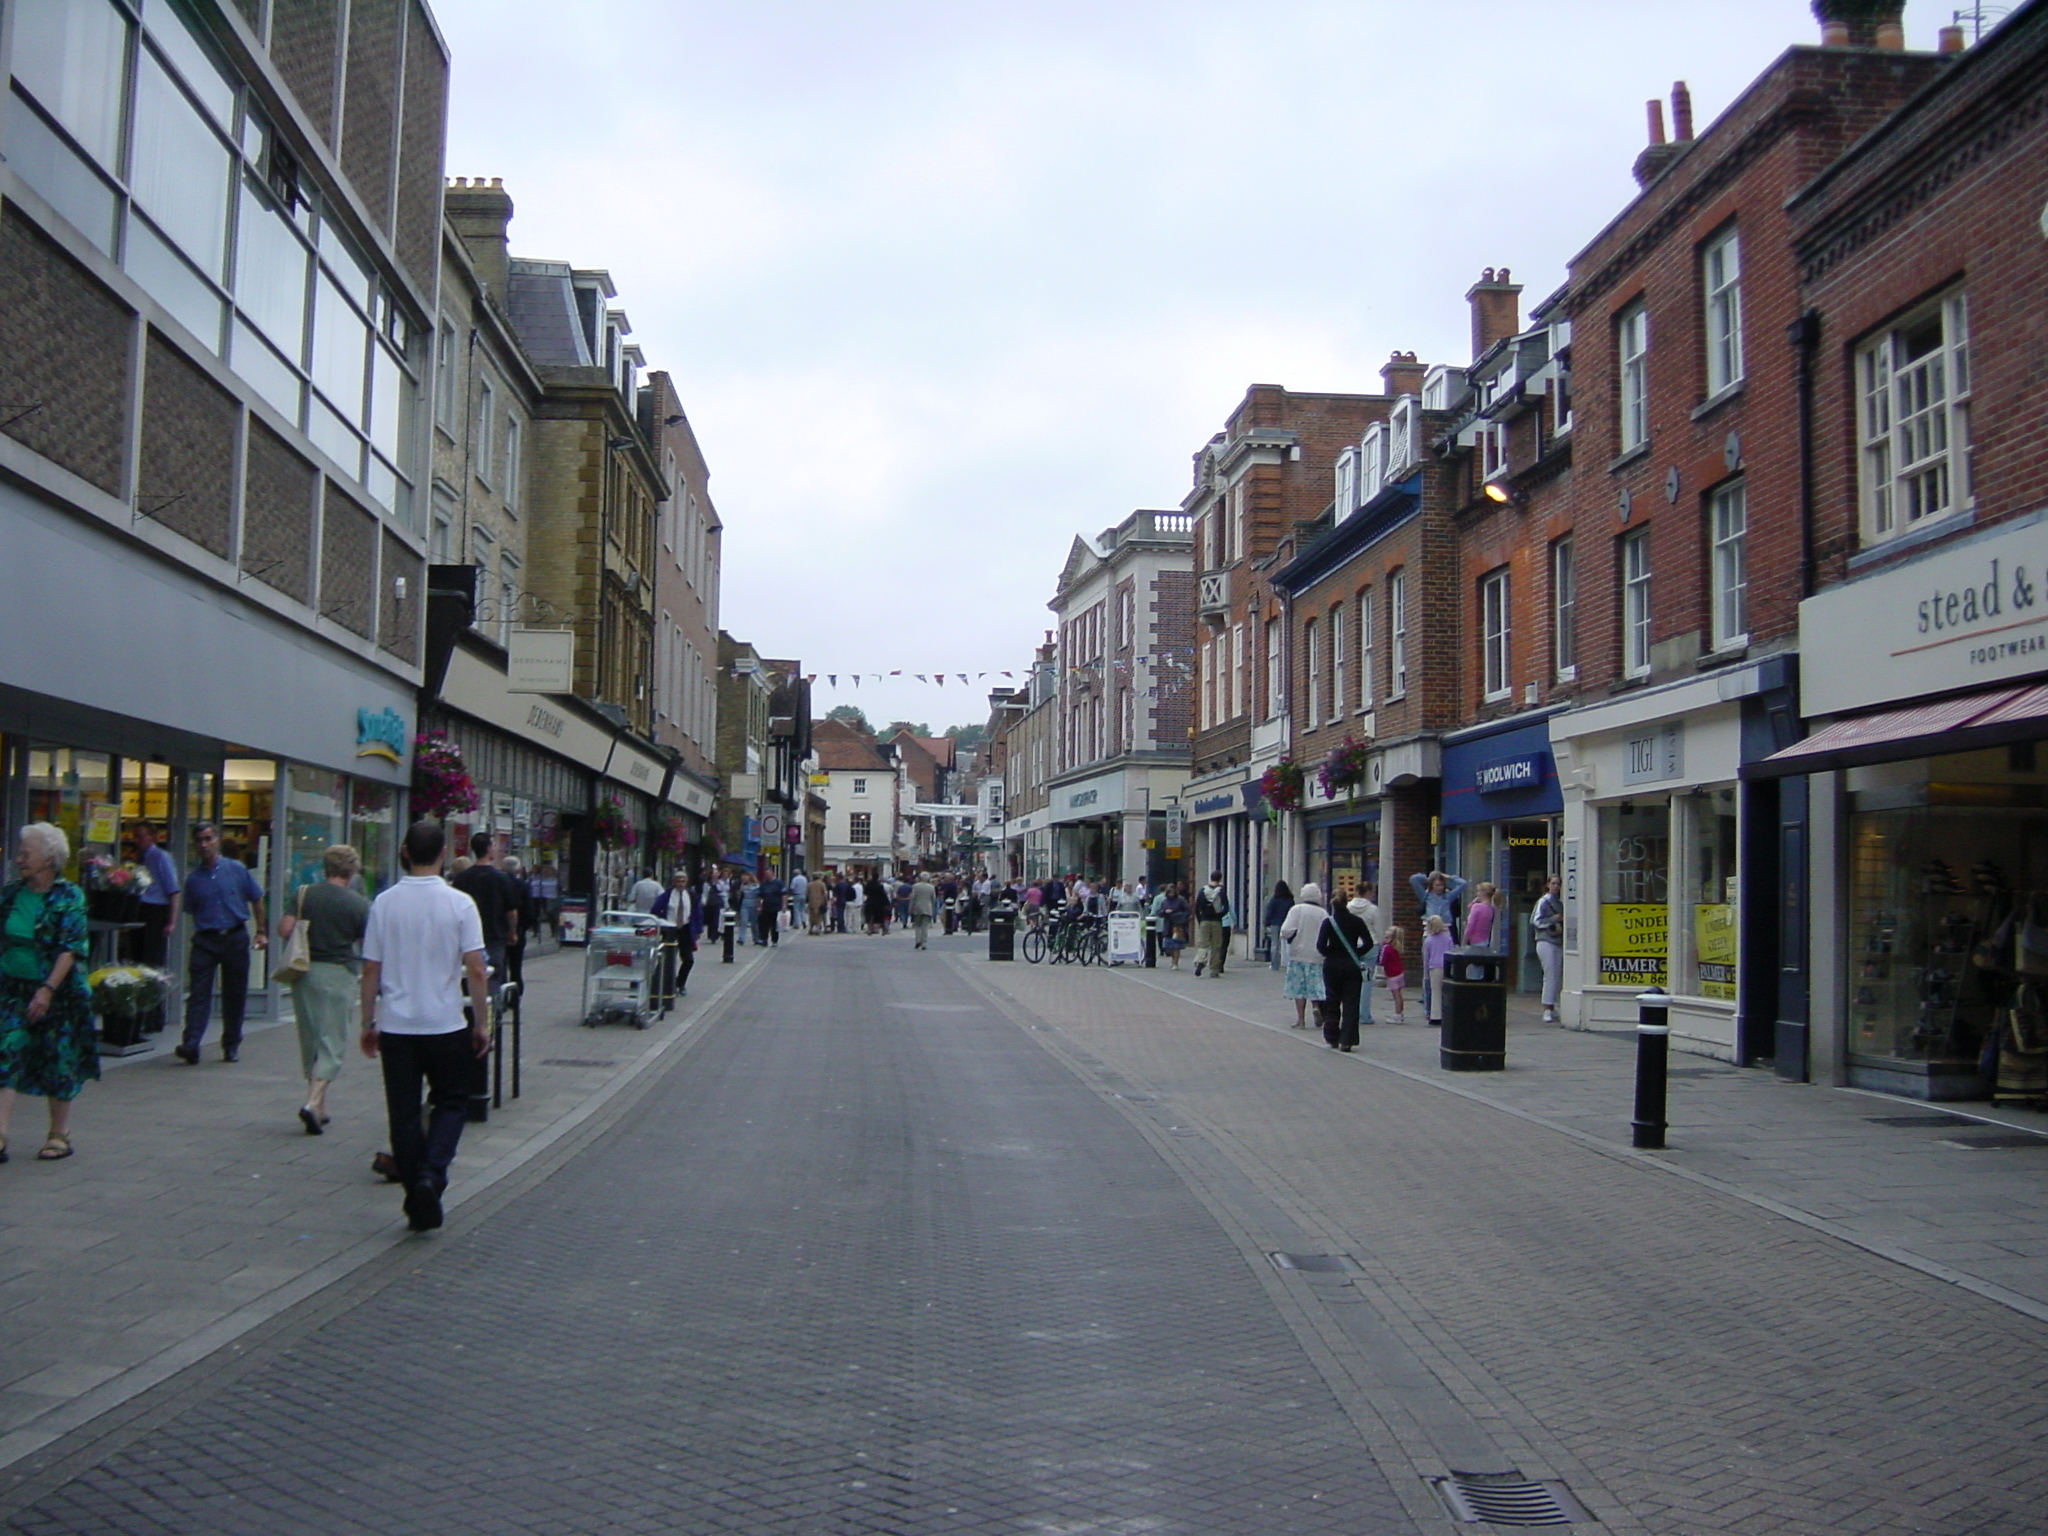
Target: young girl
(1436,950)
(1482,916)
(1394,970)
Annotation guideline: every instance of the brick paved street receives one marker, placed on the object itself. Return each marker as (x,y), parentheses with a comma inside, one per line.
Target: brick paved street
(892,1242)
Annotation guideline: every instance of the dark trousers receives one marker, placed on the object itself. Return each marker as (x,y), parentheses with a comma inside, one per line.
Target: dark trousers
(153,948)
(515,962)
(424,1146)
(767,926)
(678,959)
(1339,1008)
(225,951)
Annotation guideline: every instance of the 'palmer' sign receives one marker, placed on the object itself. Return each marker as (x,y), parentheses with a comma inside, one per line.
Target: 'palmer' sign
(1970,613)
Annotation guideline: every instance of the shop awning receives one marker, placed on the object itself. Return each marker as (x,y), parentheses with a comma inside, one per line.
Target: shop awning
(1961,724)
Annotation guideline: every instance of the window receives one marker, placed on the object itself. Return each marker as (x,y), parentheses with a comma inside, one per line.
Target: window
(1347,484)
(1728,518)
(1273,690)
(1374,472)
(1239,496)
(1632,346)
(860,828)
(1312,683)
(1721,284)
(1367,654)
(1564,600)
(510,483)
(444,379)
(1236,670)
(1635,604)
(508,596)
(860,786)
(1397,634)
(1126,618)
(1493,450)
(1337,657)
(1493,635)
(486,408)
(1914,384)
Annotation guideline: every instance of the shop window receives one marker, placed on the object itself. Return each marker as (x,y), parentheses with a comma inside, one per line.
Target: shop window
(1710,896)
(1635,893)
(315,819)
(74,792)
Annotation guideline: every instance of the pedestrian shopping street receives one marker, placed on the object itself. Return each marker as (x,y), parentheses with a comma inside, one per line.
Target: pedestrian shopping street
(865,1239)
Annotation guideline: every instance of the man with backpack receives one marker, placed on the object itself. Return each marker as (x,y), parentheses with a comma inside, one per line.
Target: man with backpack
(1212,930)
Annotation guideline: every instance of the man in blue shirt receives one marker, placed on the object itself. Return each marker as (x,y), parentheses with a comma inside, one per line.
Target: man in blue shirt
(160,901)
(220,895)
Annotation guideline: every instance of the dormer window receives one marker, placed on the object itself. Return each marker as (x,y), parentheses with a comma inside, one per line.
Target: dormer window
(1348,496)
(1375,459)
(1401,437)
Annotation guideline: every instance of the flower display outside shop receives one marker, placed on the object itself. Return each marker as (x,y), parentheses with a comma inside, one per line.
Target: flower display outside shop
(610,826)
(127,990)
(1281,787)
(441,785)
(104,873)
(670,836)
(1343,769)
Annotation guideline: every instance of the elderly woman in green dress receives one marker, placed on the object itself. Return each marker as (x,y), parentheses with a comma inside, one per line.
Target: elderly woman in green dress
(325,998)
(46,1029)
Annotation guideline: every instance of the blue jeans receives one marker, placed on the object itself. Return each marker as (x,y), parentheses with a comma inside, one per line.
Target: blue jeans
(1273,955)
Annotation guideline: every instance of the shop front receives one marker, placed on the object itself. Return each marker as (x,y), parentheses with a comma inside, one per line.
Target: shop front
(1101,825)
(1650,856)
(1228,830)
(1501,823)
(1925,797)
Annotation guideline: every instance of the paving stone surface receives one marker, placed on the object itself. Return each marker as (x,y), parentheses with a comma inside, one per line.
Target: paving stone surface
(1688,1361)
(865,1256)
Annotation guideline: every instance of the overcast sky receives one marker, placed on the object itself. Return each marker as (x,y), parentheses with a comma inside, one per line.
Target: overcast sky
(946,282)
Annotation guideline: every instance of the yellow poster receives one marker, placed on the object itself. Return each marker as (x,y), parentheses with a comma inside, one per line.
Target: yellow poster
(1634,941)
(104,825)
(1713,935)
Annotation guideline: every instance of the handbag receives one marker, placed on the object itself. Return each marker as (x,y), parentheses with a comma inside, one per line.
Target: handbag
(297,957)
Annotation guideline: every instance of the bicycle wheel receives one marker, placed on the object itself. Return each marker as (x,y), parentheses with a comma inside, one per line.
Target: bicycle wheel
(1034,946)
(1084,947)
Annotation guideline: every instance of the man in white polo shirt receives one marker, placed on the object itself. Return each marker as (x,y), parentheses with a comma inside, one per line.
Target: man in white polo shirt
(425,937)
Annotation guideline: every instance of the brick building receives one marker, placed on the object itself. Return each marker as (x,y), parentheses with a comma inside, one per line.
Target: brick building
(1912,812)
(1683,520)
(219,242)
(1270,470)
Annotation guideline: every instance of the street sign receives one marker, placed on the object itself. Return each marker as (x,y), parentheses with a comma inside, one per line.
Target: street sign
(792,833)
(771,825)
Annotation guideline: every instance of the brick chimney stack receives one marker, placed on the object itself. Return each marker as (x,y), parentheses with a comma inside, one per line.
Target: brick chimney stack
(480,214)
(1861,23)
(1657,155)
(1681,112)
(1402,374)
(1496,309)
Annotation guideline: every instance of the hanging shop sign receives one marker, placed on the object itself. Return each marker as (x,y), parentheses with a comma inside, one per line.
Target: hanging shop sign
(540,661)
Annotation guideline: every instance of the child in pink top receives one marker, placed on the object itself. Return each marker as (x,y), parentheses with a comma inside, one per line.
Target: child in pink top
(1436,953)
(1392,968)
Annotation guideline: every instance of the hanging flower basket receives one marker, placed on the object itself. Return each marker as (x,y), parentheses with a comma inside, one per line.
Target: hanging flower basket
(670,836)
(610,826)
(1343,769)
(1281,786)
(441,785)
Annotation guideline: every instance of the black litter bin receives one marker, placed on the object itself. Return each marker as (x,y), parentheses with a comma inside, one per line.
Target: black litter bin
(1475,1028)
(1002,934)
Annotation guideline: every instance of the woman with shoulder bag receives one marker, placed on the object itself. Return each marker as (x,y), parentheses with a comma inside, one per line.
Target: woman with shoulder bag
(326,998)
(1344,942)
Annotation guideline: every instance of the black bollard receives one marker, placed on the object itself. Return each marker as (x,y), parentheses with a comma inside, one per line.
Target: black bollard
(1152,943)
(732,928)
(1653,1051)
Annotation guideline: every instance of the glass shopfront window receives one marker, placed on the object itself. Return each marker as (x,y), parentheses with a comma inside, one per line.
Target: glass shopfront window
(1948,880)
(1709,910)
(1343,859)
(74,791)
(315,819)
(373,832)
(1635,893)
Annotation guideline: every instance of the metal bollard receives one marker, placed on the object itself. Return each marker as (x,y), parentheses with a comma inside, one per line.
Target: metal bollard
(1653,1052)
(1152,943)
(732,928)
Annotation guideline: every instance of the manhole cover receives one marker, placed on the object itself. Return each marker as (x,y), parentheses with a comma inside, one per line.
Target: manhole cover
(1313,1263)
(1997,1142)
(1508,1498)
(1908,1122)
(571,1061)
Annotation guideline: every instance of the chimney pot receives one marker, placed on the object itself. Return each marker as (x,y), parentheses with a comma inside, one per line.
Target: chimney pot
(1951,40)
(1860,23)
(1655,109)
(1496,309)
(1681,112)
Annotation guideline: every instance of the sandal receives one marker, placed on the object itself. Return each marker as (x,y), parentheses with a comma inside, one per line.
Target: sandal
(55,1148)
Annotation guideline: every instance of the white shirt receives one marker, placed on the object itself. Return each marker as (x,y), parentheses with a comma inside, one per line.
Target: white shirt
(419,932)
(643,895)
(1304,926)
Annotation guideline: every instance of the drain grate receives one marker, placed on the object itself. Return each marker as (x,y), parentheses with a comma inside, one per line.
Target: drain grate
(1909,1122)
(1313,1263)
(1997,1142)
(1508,1498)
(572,1061)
